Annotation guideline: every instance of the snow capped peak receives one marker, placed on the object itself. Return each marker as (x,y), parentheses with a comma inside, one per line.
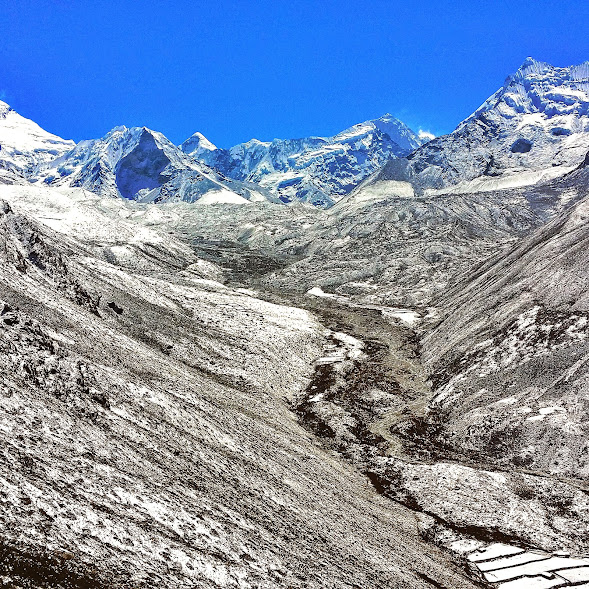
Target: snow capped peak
(532,68)
(24,146)
(387,121)
(117,131)
(536,124)
(197,144)
(533,64)
(538,87)
(318,170)
(138,163)
(204,142)
(123,162)
(255,142)
(398,131)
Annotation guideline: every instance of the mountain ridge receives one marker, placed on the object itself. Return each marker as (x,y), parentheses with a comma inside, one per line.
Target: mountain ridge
(197,167)
(314,169)
(140,164)
(538,119)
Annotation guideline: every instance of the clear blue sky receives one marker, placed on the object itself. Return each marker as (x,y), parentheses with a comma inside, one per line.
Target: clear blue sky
(270,68)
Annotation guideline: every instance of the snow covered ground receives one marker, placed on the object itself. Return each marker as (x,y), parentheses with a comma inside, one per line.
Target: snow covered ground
(146,436)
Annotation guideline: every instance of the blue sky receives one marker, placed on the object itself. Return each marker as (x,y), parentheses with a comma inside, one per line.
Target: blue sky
(241,69)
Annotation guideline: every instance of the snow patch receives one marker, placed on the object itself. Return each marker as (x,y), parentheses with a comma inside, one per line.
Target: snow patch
(222,197)
(407,316)
(317,291)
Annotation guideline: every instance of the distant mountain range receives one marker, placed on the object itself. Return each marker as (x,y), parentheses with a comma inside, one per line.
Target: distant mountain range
(534,127)
(318,170)
(141,164)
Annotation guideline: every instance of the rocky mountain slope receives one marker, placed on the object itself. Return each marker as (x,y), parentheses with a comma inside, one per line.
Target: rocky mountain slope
(510,365)
(189,406)
(146,437)
(505,420)
(317,170)
(378,247)
(534,127)
(396,240)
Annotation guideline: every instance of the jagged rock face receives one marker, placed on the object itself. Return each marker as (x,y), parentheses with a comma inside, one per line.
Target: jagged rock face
(25,148)
(93,164)
(538,120)
(141,169)
(140,164)
(318,170)
(509,358)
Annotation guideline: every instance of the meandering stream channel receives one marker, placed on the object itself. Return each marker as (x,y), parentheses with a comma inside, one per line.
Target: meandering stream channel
(367,400)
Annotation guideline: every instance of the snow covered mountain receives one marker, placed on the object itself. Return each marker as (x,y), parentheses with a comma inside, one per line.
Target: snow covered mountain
(535,127)
(141,164)
(317,170)
(24,146)
(430,331)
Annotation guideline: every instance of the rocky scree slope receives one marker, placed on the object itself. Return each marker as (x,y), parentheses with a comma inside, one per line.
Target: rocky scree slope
(373,410)
(509,360)
(369,401)
(506,421)
(147,441)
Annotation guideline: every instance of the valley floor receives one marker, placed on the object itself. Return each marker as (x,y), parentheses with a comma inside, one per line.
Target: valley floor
(148,432)
(366,400)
